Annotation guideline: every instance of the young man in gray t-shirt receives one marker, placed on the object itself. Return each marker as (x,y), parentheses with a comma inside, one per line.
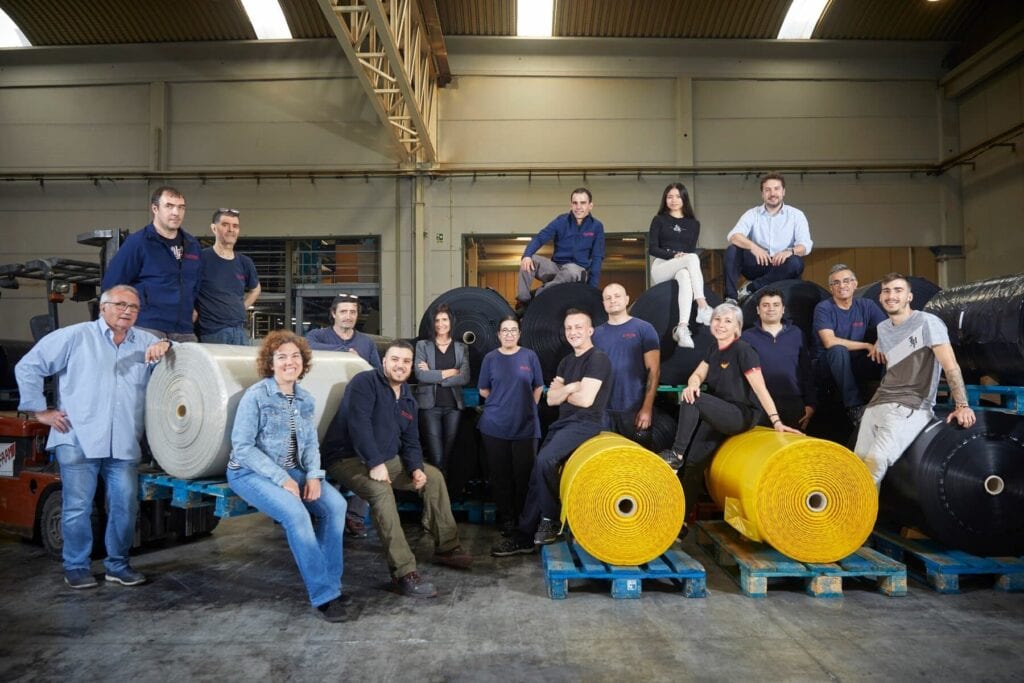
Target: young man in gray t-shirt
(915,345)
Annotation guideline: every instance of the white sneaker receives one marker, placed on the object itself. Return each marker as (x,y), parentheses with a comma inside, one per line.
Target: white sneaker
(704,315)
(683,338)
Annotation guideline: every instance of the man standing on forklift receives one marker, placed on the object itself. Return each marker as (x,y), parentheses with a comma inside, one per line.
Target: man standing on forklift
(161,262)
(102,369)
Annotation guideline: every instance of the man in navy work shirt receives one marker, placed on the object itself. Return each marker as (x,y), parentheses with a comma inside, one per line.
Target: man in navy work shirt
(102,368)
(228,284)
(343,335)
(634,351)
(372,447)
(579,249)
(768,242)
(785,363)
(581,388)
(161,262)
(844,338)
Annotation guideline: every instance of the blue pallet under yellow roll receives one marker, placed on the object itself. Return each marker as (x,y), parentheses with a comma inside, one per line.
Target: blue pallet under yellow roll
(810,499)
(623,504)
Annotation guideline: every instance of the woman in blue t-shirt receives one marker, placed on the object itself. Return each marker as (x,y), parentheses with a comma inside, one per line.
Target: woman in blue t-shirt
(511,381)
(735,396)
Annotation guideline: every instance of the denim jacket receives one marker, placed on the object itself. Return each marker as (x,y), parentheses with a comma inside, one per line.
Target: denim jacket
(259,437)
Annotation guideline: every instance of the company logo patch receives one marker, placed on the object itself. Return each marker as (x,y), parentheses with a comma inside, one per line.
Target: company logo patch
(7,453)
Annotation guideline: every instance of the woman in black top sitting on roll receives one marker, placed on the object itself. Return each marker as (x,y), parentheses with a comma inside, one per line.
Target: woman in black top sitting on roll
(442,369)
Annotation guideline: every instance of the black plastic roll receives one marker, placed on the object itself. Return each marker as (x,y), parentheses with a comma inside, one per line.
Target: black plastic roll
(986,326)
(543,323)
(922,288)
(800,297)
(477,312)
(963,487)
(658,306)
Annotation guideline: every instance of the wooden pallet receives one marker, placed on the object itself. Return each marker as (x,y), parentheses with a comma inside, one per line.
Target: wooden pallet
(941,568)
(191,493)
(477,512)
(566,561)
(752,565)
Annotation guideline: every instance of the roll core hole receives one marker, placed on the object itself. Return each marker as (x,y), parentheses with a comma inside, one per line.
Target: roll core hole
(181,411)
(468,337)
(994,485)
(625,506)
(816,501)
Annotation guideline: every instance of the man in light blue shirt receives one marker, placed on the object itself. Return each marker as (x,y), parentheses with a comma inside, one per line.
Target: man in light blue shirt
(768,243)
(102,369)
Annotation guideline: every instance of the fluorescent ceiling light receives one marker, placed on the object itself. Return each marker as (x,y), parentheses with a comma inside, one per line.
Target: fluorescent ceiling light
(534,18)
(267,19)
(802,17)
(10,34)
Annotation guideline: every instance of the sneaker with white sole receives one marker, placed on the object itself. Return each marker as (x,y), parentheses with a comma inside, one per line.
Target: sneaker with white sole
(704,315)
(683,338)
(79,579)
(126,577)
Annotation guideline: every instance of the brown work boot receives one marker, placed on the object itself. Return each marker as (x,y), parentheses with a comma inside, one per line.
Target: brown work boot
(412,585)
(456,557)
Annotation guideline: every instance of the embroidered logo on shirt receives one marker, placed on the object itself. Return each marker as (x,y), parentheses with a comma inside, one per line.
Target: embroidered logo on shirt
(407,415)
(589,234)
(724,365)
(525,368)
(629,335)
(676,228)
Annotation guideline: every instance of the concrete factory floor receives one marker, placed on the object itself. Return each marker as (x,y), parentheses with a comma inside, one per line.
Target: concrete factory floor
(232,607)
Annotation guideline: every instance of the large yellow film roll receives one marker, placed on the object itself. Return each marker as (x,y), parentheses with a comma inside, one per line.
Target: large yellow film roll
(622,502)
(810,499)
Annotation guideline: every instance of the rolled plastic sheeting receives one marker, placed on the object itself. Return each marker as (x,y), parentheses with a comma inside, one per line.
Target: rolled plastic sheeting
(986,326)
(658,306)
(194,393)
(810,499)
(923,288)
(477,312)
(622,502)
(543,325)
(800,297)
(963,487)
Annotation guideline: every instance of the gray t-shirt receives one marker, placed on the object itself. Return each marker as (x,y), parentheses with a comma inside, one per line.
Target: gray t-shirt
(911,369)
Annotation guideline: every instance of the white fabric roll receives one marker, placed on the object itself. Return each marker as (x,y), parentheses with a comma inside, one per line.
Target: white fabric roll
(194,393)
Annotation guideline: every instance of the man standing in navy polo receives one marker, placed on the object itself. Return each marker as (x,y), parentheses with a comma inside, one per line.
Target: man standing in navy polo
(228,284)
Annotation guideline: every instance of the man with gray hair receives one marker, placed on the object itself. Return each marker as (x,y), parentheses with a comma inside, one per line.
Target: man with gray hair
(844,340)
(102,369)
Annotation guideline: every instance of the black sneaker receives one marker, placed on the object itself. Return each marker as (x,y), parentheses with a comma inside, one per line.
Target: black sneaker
(514,544)
(412,585)
(334,611)
(508,528)
(80,578)
(548,531)
(672,459)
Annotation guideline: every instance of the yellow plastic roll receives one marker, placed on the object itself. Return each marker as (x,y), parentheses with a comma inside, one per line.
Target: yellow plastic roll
(810,499)
(623,503)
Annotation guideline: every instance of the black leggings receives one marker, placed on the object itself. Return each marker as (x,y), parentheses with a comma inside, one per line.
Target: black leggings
(509,464)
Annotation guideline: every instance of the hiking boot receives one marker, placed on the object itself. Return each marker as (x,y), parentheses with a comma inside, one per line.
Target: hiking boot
(513,544)
(548,531)
(456,557)
(80,578)
(412,585)
(126,577)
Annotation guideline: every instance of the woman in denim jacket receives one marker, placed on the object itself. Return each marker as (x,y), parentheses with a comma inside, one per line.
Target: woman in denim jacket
(275,467)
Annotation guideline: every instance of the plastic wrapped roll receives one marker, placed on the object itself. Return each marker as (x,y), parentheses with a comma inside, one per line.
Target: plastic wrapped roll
(963,487)
(986,326)
(543,325)
(923,288)
(194,392)
(477,312)
(658,306)
(810,499)
(800,297)
(622,502)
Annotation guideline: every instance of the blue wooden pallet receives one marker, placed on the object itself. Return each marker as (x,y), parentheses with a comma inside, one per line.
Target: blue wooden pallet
(477,512)
(941,568)
(191,493)
(565,561)
(1012,397)
(752,564)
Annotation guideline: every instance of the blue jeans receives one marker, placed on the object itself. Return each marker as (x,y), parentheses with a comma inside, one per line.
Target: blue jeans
(317,551)
(229,335)
(78,476)
(848,371)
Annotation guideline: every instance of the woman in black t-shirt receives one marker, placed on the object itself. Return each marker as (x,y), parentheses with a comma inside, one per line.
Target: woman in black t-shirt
(672,241)
(736,394)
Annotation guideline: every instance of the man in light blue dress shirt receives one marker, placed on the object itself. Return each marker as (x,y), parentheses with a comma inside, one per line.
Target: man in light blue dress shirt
(102,369)
(768,243)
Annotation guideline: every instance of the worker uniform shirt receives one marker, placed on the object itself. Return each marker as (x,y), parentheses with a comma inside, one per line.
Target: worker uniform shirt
(102,387)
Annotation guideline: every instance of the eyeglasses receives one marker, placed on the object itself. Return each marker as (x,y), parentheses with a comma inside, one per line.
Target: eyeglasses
(229,212)
(844,281)
(509,330)
(123,306)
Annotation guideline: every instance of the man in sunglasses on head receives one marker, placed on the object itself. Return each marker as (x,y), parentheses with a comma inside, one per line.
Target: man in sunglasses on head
(228,284)
(343,336)
(161,262)
(102,369)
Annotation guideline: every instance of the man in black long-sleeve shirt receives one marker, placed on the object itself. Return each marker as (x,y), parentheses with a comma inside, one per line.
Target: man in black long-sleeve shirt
(372,447)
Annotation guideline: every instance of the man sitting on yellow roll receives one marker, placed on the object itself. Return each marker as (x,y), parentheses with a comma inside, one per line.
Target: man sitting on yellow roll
(914,345)
(736,394)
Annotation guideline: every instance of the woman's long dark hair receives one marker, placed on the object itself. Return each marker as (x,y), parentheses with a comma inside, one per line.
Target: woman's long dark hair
(684,195)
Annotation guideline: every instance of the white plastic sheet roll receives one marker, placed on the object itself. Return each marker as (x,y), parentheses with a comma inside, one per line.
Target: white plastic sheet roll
(194,393)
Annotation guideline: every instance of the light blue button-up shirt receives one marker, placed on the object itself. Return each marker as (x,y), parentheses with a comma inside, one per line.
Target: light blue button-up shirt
(102,387)
(784,230)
